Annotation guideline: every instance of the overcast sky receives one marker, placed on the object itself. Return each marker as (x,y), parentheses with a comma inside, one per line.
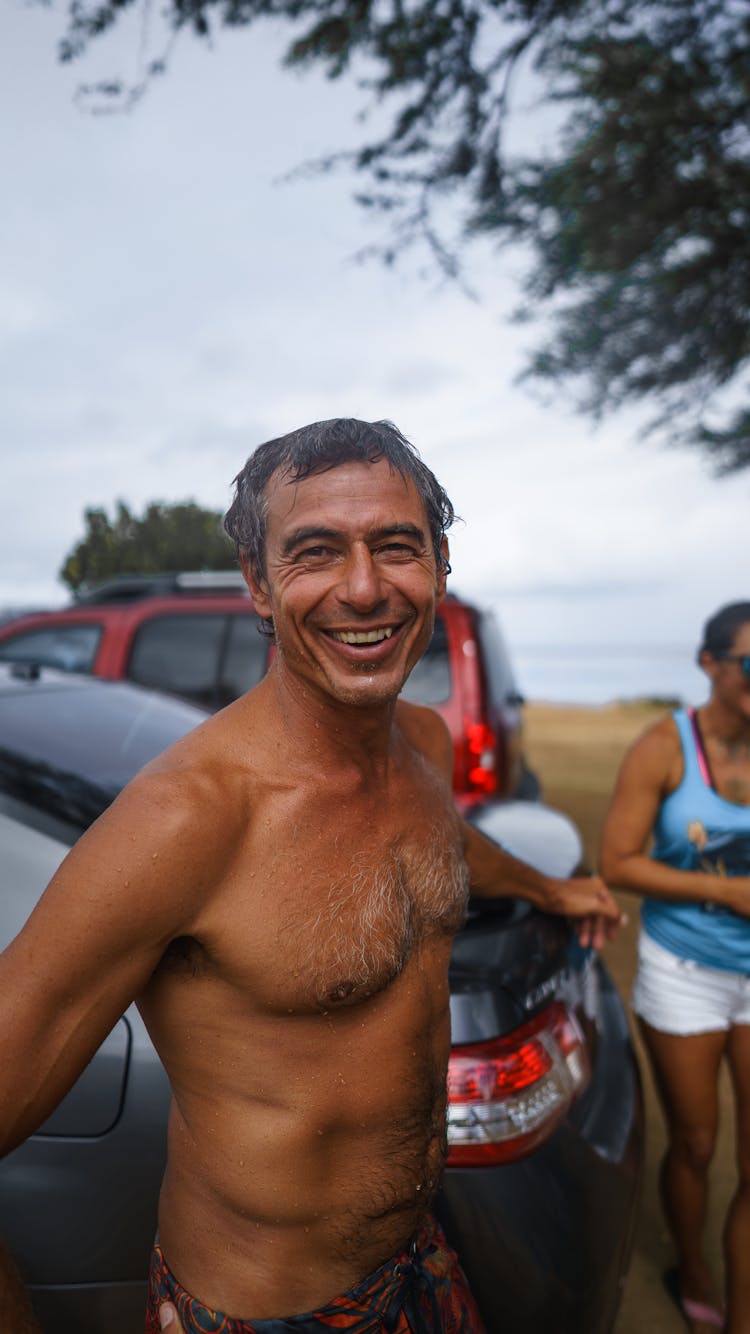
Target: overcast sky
(166,304)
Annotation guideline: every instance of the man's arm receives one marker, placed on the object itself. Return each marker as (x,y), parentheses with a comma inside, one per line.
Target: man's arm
(131,884)
(16,1315)
(495,873)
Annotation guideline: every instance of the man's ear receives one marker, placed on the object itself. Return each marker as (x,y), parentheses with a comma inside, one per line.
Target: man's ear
(258,587)
(444,568)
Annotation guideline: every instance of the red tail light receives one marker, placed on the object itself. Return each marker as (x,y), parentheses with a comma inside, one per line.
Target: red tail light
(481,762)
(507,1096)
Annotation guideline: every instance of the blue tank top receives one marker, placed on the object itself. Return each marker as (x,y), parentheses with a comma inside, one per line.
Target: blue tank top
(697,830)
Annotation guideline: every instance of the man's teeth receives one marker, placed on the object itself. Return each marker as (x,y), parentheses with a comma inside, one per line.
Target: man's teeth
(362,636)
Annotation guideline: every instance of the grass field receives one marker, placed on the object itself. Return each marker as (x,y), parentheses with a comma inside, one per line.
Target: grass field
(577,752)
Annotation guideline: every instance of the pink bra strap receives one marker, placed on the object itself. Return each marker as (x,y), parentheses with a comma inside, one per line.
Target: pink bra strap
(700,753)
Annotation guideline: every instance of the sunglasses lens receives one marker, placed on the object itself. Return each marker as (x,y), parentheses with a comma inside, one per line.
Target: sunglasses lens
(745,666)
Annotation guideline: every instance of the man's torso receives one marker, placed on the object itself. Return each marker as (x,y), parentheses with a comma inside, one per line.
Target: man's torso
(304,1023)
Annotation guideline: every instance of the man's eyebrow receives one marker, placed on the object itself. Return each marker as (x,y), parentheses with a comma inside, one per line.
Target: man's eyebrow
(309,533)
(313,533)
(399,530)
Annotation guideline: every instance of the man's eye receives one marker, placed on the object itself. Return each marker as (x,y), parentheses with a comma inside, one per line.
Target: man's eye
(314,553)
(398,549)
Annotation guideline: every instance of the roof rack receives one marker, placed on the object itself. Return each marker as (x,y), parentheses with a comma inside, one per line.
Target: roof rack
(134,587)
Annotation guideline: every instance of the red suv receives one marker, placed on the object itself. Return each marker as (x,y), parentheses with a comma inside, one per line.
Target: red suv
(196,636)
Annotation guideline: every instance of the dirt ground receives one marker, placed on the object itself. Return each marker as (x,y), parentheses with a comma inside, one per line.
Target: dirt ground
(576,752)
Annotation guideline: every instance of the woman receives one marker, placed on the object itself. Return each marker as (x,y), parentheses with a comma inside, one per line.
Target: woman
(687,782)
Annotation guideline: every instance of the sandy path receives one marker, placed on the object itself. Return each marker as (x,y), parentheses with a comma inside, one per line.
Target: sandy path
(576,753)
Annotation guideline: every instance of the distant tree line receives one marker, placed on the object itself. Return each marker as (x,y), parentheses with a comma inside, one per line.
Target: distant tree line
(165,539)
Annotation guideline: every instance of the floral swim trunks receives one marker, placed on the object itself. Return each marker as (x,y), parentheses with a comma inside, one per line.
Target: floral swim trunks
(422,1290)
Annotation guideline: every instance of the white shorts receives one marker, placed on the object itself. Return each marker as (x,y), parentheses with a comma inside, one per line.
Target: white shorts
(675,995)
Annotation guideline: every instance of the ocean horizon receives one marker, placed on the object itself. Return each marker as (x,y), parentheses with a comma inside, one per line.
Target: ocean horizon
(596,674)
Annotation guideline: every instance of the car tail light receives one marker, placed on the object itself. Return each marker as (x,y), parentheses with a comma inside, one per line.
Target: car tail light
(480,766)
(507,1096)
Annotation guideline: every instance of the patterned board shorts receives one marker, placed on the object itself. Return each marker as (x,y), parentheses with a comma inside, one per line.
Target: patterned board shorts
(422,1290)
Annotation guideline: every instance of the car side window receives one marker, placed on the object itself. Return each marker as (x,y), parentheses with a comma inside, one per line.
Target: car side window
(430,681)
(245,658)
(180,655)
(70,648)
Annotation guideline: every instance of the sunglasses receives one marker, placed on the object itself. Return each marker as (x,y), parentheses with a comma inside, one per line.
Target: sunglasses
(742,658)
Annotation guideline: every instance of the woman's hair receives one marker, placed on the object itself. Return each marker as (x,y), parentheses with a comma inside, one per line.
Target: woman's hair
(720,631)
(318,448)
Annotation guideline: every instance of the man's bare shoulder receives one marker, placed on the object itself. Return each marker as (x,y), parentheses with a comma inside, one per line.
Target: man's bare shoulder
(427,733)
(227,753)
(183,818)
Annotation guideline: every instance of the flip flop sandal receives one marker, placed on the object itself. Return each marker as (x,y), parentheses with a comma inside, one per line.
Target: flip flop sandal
(693,1312)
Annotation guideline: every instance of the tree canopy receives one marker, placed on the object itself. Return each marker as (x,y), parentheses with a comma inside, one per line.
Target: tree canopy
(167,538)
(638,218)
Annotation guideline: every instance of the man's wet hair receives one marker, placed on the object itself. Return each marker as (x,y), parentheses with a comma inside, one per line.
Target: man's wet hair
(319,448)
(720,631)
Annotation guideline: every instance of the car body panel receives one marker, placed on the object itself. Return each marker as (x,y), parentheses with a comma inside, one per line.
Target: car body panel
(472,681)
(533,832)
(549,1235)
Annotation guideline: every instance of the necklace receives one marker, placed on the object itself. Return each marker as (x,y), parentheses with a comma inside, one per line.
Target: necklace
(736,749)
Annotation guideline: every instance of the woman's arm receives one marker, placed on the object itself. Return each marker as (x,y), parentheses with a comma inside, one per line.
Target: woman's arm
(651,770)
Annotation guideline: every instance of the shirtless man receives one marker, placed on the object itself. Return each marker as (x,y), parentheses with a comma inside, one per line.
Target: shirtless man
(279,891)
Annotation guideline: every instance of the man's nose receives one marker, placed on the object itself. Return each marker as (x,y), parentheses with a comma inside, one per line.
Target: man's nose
(362,584)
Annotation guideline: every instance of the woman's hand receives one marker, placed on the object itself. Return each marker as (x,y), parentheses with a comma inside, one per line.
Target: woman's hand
(735,893)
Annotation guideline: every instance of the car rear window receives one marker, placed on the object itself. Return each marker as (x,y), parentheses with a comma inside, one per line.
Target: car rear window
(70,648)
(33,816)
(68,751)
(430,681)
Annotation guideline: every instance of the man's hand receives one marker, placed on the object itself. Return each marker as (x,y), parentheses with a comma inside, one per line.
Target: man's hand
(582,896)
(588,900)
(496,873)
(169,1319)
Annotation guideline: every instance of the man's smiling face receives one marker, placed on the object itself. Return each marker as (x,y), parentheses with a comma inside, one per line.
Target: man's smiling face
(351,579)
